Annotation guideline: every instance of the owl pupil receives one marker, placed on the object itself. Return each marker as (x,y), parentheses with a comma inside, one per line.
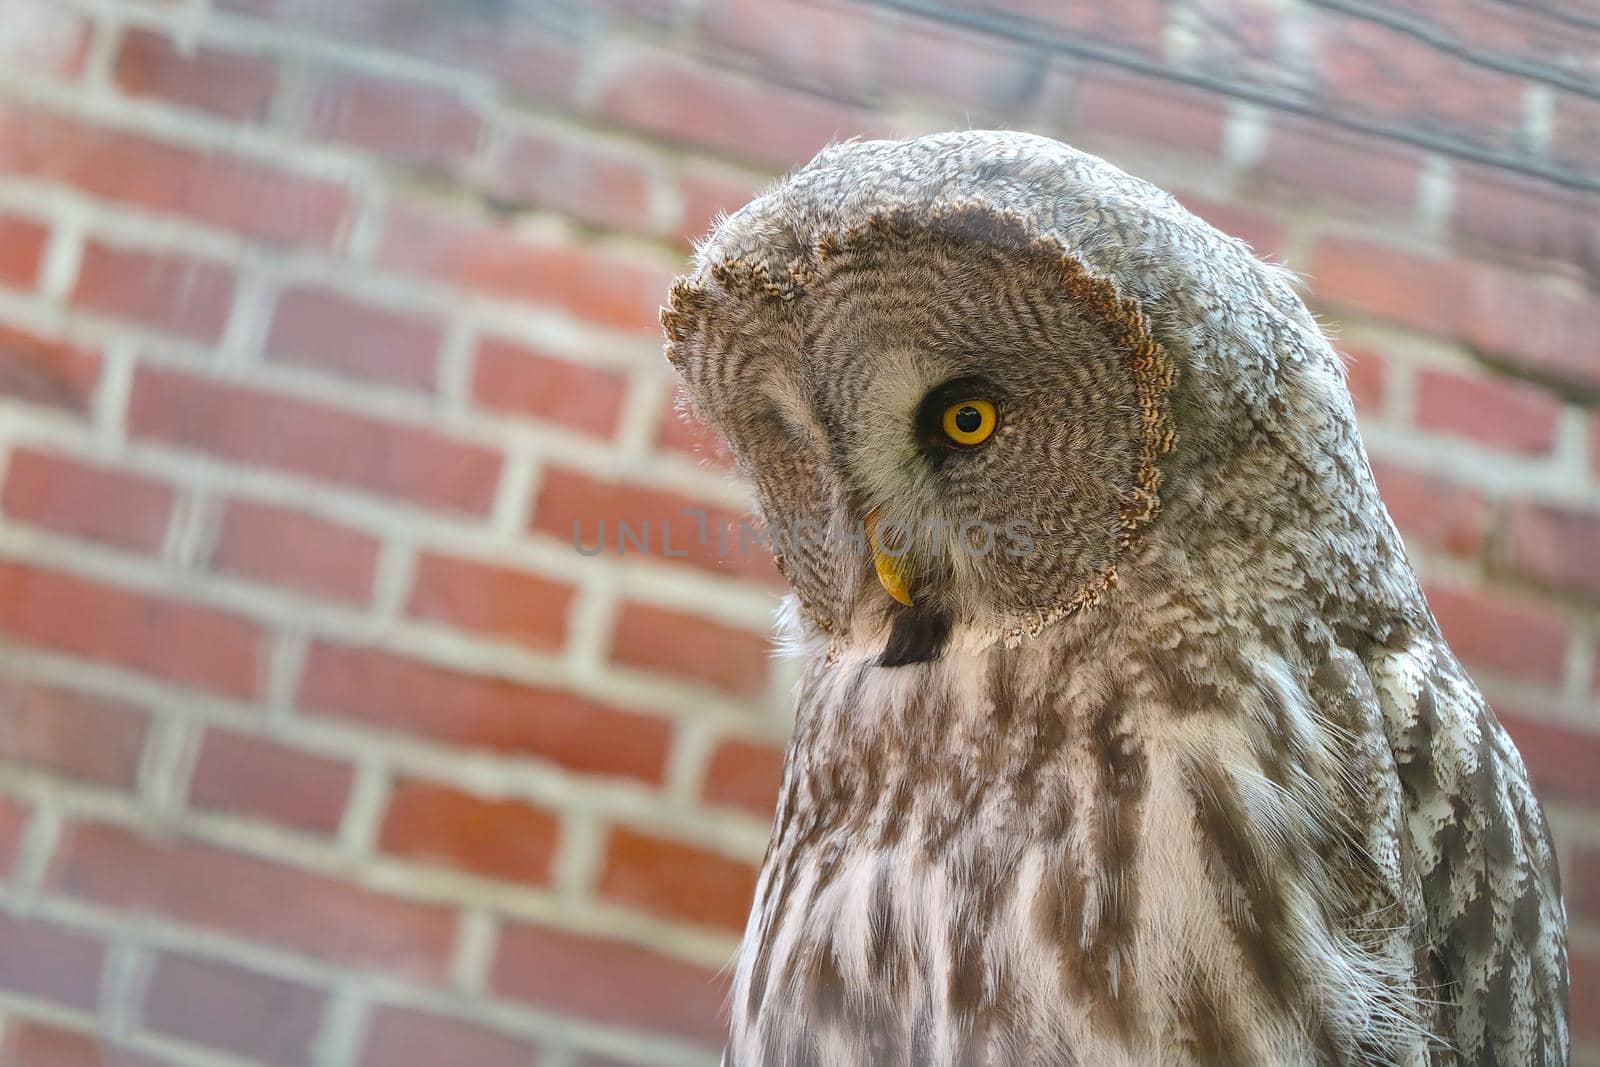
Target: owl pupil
(968,419)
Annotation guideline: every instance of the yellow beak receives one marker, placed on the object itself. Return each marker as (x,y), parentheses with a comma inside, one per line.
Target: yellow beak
(894,572)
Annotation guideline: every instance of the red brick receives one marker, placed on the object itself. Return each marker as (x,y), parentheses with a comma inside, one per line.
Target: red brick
(1499,413)
(684,101)
(1302,160)
(1560,758)
(510,378)
(226,83)
(593,1060)
(1433,511)
(86,500)
(1512,317)
(744,774)
(1526,34)
(507,839)
(392,693)
(1419,291)
(1265,234)
(1510,637)
(222,1006)
(414,463)
(591,182)
(42,371)
(664,12)
(325,329)
(294,550)
(1575,140)
(691,647)
(1367,375)
(255,899)
(526,54)
(1137,23)
(231,193)
(22,243)
(45,38)
(42,960)
(147,632)
(1555,547)
(406,122)
(1367,68)
(1504,314)
(526,58)
(251,776)
(1150,111)
(76,734)
(1535,219)
(1582,885)
(676,880)
(35,1044)
(792,40)
(927,58)
(602,286)
(708,194)
(1585,1014)
(1239,44)
(572,507)
(13,823)
(497,600)
(168,291)
(397,1036)
(609,982)
(680,431)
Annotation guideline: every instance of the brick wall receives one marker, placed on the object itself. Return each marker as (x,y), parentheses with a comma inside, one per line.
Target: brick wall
(320,321)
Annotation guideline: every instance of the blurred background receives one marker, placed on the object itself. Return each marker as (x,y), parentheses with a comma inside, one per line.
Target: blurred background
(321,321)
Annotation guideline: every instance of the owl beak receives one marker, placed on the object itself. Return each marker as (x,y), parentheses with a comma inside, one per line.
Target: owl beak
(894,571)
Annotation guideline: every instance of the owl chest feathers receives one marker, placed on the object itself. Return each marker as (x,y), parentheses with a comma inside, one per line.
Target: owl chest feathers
(999,861)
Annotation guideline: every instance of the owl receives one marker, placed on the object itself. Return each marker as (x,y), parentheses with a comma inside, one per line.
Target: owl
(1124,735)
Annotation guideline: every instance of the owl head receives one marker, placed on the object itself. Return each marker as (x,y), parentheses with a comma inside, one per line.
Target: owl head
(963,372)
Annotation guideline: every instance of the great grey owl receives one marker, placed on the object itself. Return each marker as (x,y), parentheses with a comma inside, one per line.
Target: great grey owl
(1134,742)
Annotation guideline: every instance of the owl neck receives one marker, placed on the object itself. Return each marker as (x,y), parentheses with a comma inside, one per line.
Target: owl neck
(1277,548)
(1289,579)
(1293,540)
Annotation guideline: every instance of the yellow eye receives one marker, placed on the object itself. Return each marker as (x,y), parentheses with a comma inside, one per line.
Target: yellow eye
(969,422)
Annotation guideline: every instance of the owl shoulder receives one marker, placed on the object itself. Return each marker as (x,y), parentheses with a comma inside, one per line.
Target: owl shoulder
(1476,848)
